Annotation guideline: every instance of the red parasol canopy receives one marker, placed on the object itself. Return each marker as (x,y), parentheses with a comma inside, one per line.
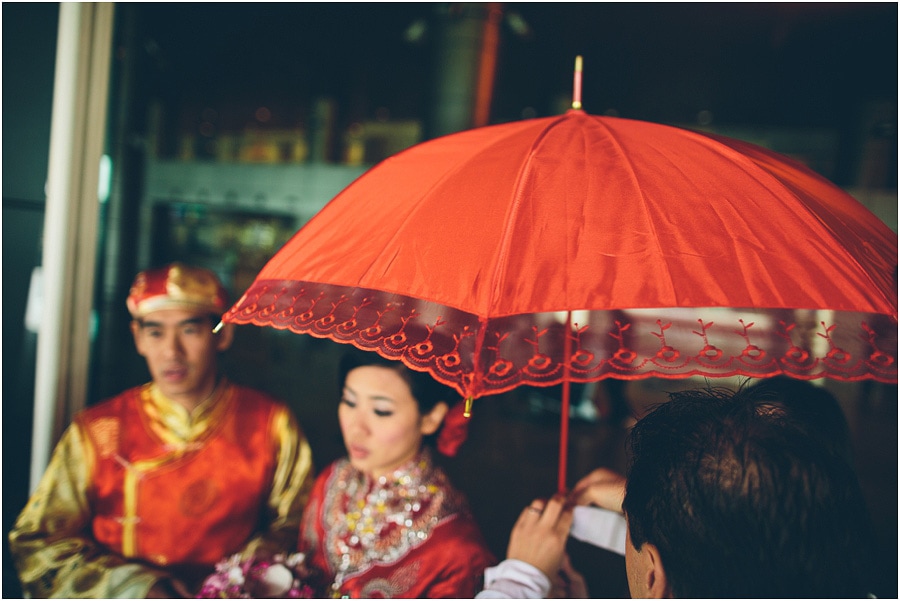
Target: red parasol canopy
(669,252)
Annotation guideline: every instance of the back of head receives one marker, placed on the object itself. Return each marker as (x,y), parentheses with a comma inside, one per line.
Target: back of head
(741,502)
(811,408)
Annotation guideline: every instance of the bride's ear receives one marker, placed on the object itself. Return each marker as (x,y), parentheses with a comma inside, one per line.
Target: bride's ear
(431,421)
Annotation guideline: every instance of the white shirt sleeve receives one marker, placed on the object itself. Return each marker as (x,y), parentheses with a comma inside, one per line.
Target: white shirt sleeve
(514,579)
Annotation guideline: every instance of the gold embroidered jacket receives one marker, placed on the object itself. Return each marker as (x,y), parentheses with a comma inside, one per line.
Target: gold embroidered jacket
(138,490)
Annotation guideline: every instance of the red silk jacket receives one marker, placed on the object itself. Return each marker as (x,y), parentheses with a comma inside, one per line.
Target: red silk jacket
(407,536)
(180,506)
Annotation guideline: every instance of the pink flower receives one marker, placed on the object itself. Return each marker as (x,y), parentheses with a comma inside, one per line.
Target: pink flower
(270,582)
(278,578)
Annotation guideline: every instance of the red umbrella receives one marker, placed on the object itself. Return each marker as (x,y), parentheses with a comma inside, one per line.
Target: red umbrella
(579,247)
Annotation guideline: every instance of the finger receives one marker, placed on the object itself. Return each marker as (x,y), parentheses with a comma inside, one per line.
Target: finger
(531,512)
(564,515)
(536,507)
(564,523)
(583,497)
(577,491)
(553,508)
(597,474)
(601,474)
(584,482)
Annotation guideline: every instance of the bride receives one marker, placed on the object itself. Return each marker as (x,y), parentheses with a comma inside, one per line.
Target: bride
(385,521)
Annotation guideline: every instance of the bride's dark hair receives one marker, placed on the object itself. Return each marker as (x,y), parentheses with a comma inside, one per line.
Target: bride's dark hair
(427,391)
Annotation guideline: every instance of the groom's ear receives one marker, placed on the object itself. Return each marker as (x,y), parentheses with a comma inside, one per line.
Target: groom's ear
(657,585)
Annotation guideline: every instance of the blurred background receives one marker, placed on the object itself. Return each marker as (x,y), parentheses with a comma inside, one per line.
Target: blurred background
(229,125)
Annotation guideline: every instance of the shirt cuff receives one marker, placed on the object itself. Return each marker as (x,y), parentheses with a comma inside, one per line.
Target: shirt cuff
(514,579)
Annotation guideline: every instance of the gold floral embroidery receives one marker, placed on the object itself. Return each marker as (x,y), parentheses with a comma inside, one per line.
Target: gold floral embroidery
(193,285)
(378,522)
(396,586)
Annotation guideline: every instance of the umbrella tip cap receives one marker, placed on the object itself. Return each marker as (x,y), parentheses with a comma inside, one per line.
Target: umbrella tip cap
(576,87)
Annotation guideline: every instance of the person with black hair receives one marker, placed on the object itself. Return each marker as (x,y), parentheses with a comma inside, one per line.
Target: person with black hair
(810,407)
(385,521)
(732,495)
(148,490)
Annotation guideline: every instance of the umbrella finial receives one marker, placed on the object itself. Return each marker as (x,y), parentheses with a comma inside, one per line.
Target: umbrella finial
(576,90)
(467,412)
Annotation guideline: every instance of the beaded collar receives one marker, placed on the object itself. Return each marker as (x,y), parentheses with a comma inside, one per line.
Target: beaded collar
(373,522)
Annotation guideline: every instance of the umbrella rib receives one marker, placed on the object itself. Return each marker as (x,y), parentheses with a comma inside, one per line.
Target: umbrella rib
(627,161)
(522,179)
(764,177)
(457,165)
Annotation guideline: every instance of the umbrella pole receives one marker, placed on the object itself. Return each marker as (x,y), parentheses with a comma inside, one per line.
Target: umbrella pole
(567,350)
(564,412)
